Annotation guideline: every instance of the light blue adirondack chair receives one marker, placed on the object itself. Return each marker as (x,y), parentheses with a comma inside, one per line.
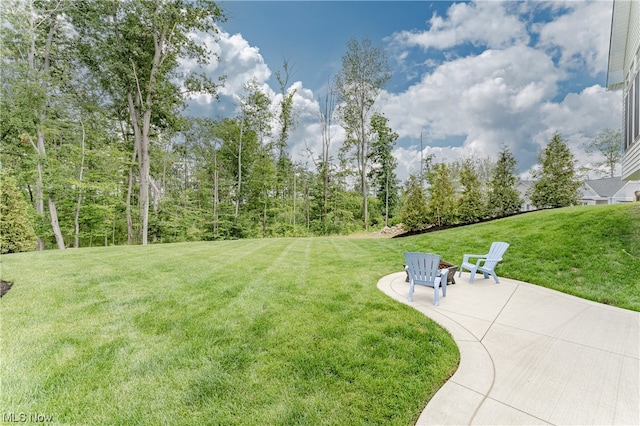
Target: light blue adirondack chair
(423,270)
(485,263)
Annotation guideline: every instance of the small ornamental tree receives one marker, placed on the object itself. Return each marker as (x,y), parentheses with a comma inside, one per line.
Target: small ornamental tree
(16,229)
(471,207)
(415,213)
(556,184)
(442,203)
(504,198)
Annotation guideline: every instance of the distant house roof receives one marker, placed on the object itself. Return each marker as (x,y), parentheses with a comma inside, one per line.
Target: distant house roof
(607,187)
(598,188)
(617,44)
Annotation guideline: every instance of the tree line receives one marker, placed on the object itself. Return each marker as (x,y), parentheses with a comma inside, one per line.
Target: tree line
(472,190)
(97,149)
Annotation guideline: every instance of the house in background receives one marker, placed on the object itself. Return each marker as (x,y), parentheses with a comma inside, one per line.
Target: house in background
(623,73)
(592,192)
(609,191)
(523,187)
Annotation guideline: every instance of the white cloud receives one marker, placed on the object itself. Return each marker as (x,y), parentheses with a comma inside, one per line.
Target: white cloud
(506,94)
(241,63)
(581,36)
(466,105)
(485,23)
(490,99)
(589,111)
(238,61)
(409,158)
(579,117)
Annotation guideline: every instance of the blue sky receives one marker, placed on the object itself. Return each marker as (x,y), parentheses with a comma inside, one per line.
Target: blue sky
(470,77)
(312,35)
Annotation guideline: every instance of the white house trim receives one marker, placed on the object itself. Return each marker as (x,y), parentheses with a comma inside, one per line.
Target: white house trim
(623,72)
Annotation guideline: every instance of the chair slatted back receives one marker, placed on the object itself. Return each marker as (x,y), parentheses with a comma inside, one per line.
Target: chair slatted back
(422,267)
(495,254)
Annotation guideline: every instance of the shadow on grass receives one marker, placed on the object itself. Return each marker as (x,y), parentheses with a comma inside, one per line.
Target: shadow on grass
(5,286)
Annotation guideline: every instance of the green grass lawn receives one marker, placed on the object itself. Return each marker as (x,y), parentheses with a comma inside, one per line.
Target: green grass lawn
(273,331)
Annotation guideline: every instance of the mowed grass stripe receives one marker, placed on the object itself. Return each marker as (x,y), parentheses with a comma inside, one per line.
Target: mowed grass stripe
(270,337)
(286,331)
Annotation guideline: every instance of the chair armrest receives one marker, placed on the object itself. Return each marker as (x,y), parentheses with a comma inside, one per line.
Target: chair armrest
(465,258)
(486,259)
(443,275)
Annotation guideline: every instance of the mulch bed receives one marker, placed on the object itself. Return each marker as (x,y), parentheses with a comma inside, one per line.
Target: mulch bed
(434,228)
(4,287)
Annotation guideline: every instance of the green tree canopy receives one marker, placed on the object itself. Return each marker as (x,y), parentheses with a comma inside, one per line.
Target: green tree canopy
(471,207)
(415,212)
(365,71)
(135,48)
(504,198)
(16,227)
(556,184)
(442,203)
(384,164)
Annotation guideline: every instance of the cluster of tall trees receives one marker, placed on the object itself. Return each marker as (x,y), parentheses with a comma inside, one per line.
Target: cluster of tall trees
(95,139)
(94,132)
(461,192)
(88,88)
(471,190)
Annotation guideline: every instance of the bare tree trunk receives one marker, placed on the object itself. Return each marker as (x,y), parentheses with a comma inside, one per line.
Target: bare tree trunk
(128,198)
(76,242)
(144,160)
(365,209)
(53,212)
(42,115)
(216,198)
(140,111)
(39,201)
(363,171)
(145,165)
(142,148)
(325,120)
(306,196)
(264,214)
(155,197)
(386,200)
(239,173)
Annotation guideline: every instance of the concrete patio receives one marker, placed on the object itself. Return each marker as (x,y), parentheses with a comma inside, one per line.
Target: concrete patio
(530,355)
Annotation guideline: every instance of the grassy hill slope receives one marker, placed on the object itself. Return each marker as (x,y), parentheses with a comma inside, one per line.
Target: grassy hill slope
(281,331)
(590,252)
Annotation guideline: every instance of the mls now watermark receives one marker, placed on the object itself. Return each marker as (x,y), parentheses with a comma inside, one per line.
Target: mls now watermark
(26,418)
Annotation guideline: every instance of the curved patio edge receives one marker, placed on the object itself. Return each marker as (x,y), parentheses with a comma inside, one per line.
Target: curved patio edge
(457,401)
(530,355)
